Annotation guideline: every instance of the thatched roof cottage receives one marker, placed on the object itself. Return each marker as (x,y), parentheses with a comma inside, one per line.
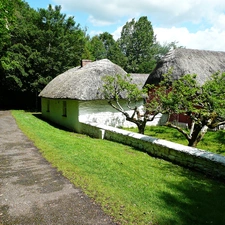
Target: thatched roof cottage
(75,96)
(189,61)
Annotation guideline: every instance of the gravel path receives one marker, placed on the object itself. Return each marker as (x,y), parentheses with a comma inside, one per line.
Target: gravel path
(32,191)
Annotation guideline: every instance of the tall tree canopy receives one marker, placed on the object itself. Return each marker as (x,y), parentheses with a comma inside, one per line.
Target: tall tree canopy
(42,44)
(137,44)
(97,48)
(104,46)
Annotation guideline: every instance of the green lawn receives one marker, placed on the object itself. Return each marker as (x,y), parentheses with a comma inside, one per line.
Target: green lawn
(213,141)
(129,185)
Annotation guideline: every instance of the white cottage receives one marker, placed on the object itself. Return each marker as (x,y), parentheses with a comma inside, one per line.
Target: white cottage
(74,97)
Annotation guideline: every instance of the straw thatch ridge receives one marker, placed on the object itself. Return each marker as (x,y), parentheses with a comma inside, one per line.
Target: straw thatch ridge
(81,83)
(189,61)
(139,79)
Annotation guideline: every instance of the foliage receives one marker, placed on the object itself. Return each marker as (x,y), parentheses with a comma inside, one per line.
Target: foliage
(136,51)
(6,18)
(118,87)
(37,45)
(131,186)
(162,49)
(97,48)
(137,44)
(204,105)
(42,44)
(104,46)
(113,52)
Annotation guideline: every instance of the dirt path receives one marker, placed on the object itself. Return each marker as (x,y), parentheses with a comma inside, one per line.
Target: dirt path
(32,192)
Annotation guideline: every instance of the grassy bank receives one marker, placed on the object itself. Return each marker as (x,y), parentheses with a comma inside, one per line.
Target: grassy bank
(130,185)
(212,141)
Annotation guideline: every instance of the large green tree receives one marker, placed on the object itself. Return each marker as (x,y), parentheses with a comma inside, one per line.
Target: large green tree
(42,44)
(136,51)
(6,19)
(104,46)
(137,44)
(112,49)
(97,48)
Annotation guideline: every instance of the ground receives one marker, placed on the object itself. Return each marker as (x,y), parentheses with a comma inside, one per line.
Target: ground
(32,191)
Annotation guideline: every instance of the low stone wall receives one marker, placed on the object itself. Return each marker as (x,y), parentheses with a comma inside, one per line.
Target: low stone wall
(206,162)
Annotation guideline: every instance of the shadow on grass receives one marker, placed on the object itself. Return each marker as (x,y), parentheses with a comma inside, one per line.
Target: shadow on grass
(194,198)
(40,117)
(196,203)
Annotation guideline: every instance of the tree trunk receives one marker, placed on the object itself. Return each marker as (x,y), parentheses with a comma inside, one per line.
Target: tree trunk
(140,123)
(141,127)
(197,136)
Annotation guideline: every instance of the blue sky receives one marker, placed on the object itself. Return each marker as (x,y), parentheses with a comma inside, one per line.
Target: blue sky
(196,24)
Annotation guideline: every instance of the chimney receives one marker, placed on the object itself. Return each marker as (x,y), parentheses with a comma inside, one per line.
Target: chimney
(84,62)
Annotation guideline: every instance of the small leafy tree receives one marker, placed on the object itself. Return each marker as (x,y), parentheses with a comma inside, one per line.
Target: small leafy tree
(204,105)
(119,87)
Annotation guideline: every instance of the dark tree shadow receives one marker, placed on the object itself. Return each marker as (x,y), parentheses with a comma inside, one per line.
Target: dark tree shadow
(196,200)
(40,117)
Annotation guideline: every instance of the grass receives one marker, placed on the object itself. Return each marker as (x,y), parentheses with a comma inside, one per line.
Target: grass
(129,185)
(213,141)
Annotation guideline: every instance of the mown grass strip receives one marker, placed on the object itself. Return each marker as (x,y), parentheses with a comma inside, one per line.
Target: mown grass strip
(130,185)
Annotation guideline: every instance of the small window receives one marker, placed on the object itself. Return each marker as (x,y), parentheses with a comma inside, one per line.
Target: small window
(64,108)
(48,106)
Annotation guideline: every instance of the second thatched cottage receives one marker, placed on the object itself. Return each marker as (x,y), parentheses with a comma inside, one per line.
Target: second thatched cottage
(74,97)
(188,61)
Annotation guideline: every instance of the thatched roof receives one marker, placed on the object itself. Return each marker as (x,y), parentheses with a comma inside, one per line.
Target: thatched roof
(84,83)
(139,79)
(189,61)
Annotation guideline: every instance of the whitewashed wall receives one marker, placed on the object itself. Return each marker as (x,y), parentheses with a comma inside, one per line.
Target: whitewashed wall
(102,113)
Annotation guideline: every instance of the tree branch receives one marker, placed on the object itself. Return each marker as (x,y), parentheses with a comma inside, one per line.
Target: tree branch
(168,124)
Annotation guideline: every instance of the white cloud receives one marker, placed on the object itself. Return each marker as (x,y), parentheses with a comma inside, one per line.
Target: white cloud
(116,34)
(95,32)
(166,12)
(99,22)
(193,23)
(209,39)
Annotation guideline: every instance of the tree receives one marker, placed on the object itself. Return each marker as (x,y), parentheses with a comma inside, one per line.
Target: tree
(42,44)
(204,105)
(112,49)
(137,44)
(6,19)
(104,46)
(119,87)
(97,48)
(14,51)
(162,49)
(61,42)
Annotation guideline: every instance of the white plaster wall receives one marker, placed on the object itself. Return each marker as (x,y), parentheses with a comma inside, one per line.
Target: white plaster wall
(102,113)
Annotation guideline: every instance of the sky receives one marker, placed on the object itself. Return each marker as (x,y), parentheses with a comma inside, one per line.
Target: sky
(194,24)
